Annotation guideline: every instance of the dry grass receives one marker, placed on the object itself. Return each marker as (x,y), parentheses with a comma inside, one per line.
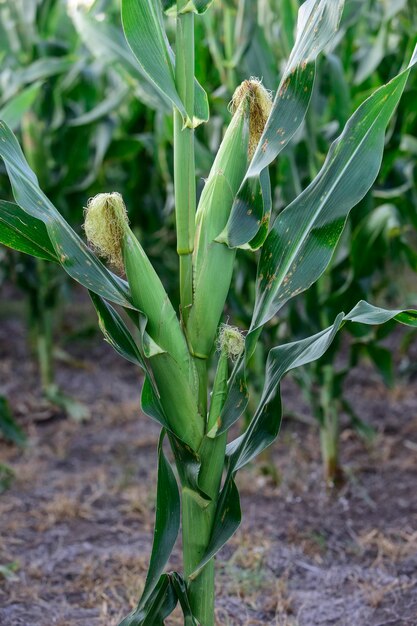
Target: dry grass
(388,546)
(63,508)
(245,576)
(375,595)
(78,519)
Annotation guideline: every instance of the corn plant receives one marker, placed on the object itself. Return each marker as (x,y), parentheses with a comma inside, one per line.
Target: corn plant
(362,264)
(48,81)
(381,243)
(175,351)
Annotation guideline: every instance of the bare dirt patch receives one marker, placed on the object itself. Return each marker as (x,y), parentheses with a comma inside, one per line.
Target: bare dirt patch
(76,522)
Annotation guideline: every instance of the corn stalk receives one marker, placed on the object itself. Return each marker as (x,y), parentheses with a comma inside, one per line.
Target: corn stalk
(175,352)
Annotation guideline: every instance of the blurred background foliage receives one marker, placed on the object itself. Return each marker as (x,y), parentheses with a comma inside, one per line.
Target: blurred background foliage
(89,121)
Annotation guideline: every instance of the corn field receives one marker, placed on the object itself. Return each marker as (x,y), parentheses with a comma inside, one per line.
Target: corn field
(208,314)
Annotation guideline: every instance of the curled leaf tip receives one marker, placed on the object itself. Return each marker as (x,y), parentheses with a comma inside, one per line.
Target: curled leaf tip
(105,223)
(231,341)
(260,105)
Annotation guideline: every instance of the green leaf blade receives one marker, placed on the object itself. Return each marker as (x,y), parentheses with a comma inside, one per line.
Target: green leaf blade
(196,6)
(303,238)
(107,43)
(167,522)
(75,257)
(318,21)
(116,332)
(143,27)
(265,424)
(23,232)
(144,30)
(13,111)
(9,428)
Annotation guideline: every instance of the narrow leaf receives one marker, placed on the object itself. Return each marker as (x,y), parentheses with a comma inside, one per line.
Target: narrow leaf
(13,111)
(196,6)
(304,236)
(265,424)
(318,21)
(145,34)
(21,231)
(103,109)
(40,70)
(365,313)
(167,522)
(226,522)
(261,430)
(181,591)
(75,257)
(161,603)
(108,44)
(116,332)
(9,428)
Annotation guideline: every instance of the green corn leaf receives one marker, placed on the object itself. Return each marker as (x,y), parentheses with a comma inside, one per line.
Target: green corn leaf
(151,403)
(365,313)
(108,44)
(21,231)
(39,70)
(245,31)
(13,111)
(170,589)
(167,522)
(340,89)
(259,58)
(145,34)
(382,359)
(160,604)
(9,428)
(226,521)
(103,109)
(280,361)
(75,257)
(304,236)
(289,356)
(188,465)
(288,13)
(264,426)
(181,590)
(317,23)
(195,6)
(116,332)
(372,56)
(162,591)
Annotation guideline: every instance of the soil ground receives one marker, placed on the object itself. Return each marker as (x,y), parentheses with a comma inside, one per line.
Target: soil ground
(76,520)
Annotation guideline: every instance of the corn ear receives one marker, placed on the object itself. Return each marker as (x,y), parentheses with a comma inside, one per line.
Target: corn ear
(172,367)
(213,261)
(150,297)
(164,344)
(231,345)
